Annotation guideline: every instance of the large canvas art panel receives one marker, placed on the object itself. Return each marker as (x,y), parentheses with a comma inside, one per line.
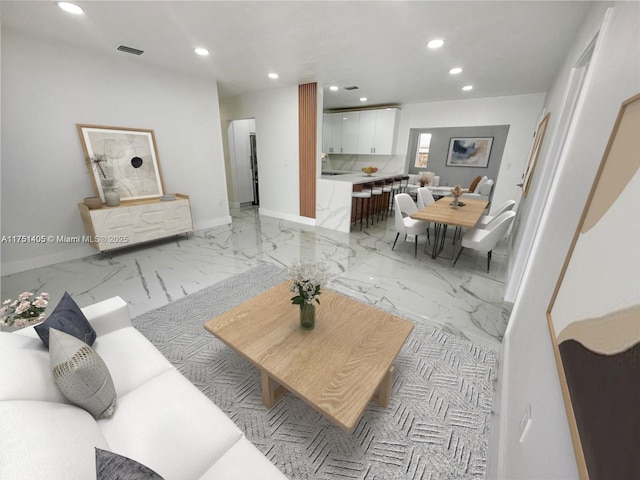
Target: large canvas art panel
(594,314)
(129,156)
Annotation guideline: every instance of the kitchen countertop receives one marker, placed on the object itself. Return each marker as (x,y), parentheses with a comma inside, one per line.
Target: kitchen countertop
(357,178)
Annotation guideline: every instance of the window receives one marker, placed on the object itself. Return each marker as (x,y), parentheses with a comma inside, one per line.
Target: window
(422,152)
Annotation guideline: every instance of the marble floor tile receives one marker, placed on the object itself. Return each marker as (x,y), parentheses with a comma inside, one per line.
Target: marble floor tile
(464,300)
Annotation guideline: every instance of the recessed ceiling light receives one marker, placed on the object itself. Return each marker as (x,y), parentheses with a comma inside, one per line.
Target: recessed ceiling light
(334,88)
(363,99)
(71,8)
(273,75)
(203,52)
(436,43)
(466,88)
(455,71)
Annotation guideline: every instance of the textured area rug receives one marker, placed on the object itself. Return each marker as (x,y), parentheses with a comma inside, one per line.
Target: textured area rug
(436,426)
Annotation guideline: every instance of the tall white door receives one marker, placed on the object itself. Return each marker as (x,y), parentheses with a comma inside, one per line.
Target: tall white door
(240,160)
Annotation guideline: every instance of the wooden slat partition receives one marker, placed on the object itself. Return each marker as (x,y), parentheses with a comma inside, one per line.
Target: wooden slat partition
(307,128)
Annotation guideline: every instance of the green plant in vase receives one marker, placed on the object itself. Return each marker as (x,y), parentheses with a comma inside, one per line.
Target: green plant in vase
(308,279)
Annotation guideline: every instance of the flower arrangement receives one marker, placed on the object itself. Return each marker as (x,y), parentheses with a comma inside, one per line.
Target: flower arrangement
(308,279)
(26,310)
(458,190)
(99,160)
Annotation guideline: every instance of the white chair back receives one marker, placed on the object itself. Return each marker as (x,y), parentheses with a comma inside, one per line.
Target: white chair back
(424,197)
(404,206)
(508,205)
(484,220)
(495,230)
(406,203)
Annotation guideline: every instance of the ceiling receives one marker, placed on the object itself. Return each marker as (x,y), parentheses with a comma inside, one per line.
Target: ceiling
(504,47)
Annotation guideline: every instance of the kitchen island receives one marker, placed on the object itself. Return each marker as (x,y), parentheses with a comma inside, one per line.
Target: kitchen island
(333,197)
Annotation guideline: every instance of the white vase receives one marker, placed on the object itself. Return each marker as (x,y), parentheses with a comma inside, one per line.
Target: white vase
(111,197)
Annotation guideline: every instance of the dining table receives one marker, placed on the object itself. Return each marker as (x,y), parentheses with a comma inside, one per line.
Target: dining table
(442,213)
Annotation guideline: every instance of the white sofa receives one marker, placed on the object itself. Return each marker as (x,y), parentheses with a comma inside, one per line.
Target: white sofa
(481,192)
(161,419)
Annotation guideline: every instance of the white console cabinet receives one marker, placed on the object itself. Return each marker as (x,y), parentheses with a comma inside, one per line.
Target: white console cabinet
(136,221)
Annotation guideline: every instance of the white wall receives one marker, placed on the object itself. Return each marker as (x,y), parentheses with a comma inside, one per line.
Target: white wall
(276,117)
(529,369)
(46,90)
(520,112)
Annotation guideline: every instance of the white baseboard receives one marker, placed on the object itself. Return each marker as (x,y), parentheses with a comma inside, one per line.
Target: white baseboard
(286,216)
(45,260)
(214,222)
(85,251)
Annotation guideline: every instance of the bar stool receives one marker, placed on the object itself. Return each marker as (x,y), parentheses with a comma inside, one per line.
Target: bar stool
(361,195)
(387,193)
(404,184)
(379,186)
(395,189)
(376,195)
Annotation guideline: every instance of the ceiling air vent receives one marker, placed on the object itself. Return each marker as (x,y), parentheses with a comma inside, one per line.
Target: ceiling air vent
(352,87)
(131,50)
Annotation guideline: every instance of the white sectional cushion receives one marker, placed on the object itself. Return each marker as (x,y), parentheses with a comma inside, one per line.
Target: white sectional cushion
(241,462)
(131,359)
(482,181)
(47,441)
(80,374)
(171,427)
(108,315)
(485,188)
(24,370)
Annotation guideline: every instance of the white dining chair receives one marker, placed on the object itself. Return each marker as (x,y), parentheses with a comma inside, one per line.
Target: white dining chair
(424,197)
(404,206)
(485,239)
(484,220)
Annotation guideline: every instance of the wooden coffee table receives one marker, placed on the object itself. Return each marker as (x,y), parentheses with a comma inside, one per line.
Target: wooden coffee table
(337,368)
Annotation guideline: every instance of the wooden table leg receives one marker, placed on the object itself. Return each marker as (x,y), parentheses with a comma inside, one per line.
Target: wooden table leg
(383,395)
(270,393)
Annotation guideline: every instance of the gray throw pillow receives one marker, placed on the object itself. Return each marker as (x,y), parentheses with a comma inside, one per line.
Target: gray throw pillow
(81,375)
(111,466)
(67,317)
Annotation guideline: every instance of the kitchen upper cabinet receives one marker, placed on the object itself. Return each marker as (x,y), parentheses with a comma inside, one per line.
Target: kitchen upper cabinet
(377,131)
(350,122)
(332,132)
(364,132)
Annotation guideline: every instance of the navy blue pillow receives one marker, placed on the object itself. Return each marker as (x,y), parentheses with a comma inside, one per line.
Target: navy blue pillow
(111,466)
(68,318)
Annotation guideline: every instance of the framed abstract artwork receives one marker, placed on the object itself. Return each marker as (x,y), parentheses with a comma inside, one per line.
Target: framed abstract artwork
(594,313)
(127,155)
(469,152)
(535,153)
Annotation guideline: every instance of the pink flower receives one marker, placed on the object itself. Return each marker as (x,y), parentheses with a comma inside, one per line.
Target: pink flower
(40,303)
(23,307)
